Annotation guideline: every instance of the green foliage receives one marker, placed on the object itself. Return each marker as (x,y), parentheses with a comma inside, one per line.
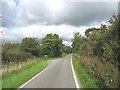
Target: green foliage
(51,45)
(31,45)
(85,79)
(77,41)
(12,52)
(17,78)
(103,44)
(66,49)
(104,73)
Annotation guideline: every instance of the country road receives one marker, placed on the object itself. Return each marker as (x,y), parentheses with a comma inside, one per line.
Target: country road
(58,74)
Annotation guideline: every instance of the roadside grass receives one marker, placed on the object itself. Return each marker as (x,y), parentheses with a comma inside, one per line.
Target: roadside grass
(16,78)
(18,73)
(85,79)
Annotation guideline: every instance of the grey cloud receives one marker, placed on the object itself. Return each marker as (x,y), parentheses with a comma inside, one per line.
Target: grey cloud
(78,13)
(119,7)
(9,13)
(74,13)
(34,12)
(0,13)
(66,38)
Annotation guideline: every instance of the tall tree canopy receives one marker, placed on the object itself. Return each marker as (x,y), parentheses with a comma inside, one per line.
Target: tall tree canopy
(52,45)
(31,45)
(77,41)
(101,42)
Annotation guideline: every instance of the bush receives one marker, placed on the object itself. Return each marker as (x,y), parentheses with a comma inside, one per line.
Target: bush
(31,45)
(99,53)
(104,72)
(12,52)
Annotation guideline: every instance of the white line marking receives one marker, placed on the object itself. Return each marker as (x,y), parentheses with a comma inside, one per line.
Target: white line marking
(34,77)
(76,82)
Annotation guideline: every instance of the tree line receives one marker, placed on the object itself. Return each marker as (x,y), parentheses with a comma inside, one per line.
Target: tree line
(98,52)
(101,42)
(50,46)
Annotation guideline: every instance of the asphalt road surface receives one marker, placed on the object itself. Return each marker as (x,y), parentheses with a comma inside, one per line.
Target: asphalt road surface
(58,74)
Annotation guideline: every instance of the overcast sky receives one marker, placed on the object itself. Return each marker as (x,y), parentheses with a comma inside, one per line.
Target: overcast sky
(36,18)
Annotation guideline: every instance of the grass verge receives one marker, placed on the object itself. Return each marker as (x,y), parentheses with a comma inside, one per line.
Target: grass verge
(85,79)
(17,78)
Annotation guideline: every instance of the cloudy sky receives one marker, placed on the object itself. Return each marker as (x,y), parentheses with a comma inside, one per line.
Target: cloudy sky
(36,18)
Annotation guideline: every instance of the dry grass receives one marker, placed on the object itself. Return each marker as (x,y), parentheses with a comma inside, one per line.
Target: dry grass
(85,79)
(14,79)
(105,73)
(15,66)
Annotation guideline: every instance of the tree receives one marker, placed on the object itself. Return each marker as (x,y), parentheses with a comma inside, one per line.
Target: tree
(101,42)
(52,45)
(66,49)
(13,52)
(77,42)
(31,45)
(111,38)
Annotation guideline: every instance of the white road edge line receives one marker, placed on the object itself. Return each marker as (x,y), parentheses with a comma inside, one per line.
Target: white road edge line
(34,77)
(75,79)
